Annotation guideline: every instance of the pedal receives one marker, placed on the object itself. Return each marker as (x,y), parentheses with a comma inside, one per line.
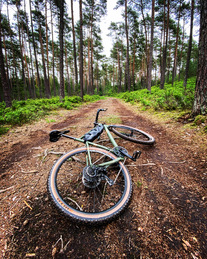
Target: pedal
(136,155)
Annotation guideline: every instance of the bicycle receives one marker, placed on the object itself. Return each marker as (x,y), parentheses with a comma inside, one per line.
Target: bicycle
(91,184)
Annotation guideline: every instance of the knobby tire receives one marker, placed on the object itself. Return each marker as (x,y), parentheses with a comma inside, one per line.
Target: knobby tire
(83,204)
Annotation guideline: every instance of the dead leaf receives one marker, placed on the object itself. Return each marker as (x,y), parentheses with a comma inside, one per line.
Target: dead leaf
(54,251)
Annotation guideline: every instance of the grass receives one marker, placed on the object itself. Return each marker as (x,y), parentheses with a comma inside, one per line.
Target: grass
(26,111)
(113,119)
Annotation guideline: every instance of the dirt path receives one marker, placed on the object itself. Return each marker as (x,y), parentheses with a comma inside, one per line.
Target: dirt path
(165,219)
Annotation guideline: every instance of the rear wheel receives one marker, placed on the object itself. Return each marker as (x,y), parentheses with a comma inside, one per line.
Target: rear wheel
(92,194)
(132,134)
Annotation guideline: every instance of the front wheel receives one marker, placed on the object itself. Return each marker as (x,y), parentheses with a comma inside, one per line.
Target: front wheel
(132,134)
(91,194)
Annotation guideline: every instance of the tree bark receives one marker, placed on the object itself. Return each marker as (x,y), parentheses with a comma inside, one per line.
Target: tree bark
(189,45)
(4,81)
(74,45)
(200,101)
(53,52)
(127,40)
(61,30)
(164,58)
(47,88)
(81,48)
(149,74)
(34,47)
(176,47)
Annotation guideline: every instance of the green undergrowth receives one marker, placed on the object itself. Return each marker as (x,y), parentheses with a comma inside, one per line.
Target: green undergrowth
(170,98)
(22,112)
(171,103)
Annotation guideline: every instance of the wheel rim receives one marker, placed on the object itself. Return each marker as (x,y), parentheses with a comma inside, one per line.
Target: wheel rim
(131,133)
(78,200)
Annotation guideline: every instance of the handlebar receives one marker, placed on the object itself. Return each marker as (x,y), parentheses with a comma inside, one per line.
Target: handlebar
(97,114)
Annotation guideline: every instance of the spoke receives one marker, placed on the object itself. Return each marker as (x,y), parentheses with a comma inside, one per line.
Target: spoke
(119,171)
(98,159)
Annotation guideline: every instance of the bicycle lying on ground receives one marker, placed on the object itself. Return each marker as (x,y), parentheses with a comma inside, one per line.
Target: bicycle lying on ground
(91,184)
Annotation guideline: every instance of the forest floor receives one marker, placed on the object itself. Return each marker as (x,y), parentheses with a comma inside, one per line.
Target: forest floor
(166,217)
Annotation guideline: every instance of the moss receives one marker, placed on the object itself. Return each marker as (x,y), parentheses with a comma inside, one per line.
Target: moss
(200,119)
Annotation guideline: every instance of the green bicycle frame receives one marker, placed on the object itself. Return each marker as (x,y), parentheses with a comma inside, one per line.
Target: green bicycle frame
(88,144)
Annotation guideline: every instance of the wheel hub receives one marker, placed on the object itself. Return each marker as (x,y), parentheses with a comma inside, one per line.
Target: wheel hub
(91,178)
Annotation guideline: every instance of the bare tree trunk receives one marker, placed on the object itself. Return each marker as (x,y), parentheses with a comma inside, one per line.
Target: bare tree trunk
(4,81)
(200,101)
(74,45)
(53,51)
(47,52)
(81,49)
(127,40)
(181,53)
(35,53)
(61,31)
(47,89)
(176,47)
(21,54)
(189,45)
(164,58)
(133,66)
(149,73)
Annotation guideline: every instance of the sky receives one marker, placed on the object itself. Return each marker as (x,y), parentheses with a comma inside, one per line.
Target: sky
(111,16)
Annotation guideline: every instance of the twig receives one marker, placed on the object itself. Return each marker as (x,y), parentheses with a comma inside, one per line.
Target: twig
(56,153)
(28,205)
(148,164)
(62,248)
(162,171)
(175,162)
(75,203)
(4,190)
(30,172)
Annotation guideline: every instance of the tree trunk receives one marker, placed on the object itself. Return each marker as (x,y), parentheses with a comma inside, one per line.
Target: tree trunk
(35,53)
(21,52)
(182,46)
(200,102)
(47,51)
(149,74)
(127,57)
(164,58)
(74,45)
(146,41)
(89,68)
(53,52)
(189,45)
(47,88)
(61,31)
(4,81)
(81,49)
(176,47)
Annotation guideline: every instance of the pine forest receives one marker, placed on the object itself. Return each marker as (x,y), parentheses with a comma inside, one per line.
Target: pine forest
(52,48)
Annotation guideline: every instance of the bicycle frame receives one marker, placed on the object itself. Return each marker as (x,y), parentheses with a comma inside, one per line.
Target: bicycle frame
(88,144)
